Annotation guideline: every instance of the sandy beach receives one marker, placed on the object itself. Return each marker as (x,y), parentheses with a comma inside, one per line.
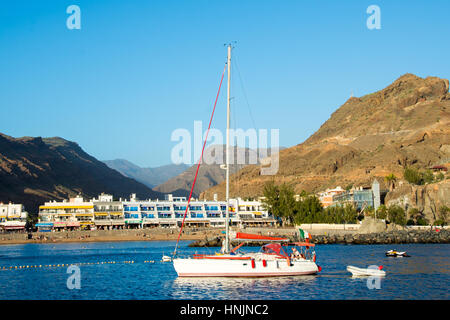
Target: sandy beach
(156,234)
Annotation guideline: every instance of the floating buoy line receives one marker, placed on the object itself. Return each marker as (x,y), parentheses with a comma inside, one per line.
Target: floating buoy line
(37,266)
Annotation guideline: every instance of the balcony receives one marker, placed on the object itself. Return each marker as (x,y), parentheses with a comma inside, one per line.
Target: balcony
(213,214)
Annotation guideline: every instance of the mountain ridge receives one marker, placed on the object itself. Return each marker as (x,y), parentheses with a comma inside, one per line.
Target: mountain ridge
(405,124)
(151,177)
(35,169)
(209,175)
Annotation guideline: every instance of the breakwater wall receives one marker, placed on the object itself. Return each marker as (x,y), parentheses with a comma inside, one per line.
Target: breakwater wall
(392,237)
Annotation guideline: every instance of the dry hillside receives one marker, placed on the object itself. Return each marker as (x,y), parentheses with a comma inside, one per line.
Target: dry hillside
(407,123)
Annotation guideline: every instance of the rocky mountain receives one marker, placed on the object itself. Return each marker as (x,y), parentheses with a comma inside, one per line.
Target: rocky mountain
(151,177)
(210,173)
(35,169)
(428,198)
(404,124)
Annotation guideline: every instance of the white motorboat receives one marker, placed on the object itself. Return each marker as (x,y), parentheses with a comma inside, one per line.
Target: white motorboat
(166,258)
(355,271)
(395,253)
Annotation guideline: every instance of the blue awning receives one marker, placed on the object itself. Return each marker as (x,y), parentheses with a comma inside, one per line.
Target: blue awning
(44,224)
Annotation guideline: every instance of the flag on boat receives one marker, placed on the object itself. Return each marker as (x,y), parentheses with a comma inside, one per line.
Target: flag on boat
(304,234)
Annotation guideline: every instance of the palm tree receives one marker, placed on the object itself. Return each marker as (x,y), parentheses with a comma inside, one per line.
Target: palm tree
(390,179)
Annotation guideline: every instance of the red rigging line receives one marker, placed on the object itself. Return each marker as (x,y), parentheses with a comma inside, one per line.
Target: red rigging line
(199,161)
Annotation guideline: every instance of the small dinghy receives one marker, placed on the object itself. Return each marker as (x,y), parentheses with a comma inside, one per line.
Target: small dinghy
(166,259)
(395,253)
(366,271)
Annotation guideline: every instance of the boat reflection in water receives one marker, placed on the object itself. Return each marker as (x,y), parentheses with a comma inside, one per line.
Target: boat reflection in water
(229,288)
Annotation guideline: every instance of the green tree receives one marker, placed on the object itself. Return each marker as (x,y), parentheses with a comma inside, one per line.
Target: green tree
(397,215)
(280,201)
(31,221)
(422,221)
(418,177)
(417,217)
(440,177)
(350,214)
(382,212)
(369,211)
(287,203)
(413,176)
(272,198)
(428,176)
(330,215)
(304,193)
(309,210)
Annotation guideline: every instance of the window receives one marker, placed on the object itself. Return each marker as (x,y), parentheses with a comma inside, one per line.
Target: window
(164,208)
(164,215)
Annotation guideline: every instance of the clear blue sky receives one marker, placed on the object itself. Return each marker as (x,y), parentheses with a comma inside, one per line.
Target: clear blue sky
(137,70)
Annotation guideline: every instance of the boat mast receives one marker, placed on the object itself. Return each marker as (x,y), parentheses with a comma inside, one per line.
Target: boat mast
(227,161)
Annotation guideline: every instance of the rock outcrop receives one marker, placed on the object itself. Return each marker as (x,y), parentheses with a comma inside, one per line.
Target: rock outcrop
(427,199)
(371,225)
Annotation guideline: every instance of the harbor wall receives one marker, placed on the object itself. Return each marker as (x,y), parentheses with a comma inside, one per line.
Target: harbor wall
(435,235)
(329,226)
(207,235)
(392,237)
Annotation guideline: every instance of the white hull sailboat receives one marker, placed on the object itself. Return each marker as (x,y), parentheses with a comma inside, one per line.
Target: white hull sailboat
(242,266)
(273,260)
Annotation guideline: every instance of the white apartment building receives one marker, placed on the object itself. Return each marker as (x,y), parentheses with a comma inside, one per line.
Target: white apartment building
(105,213)
(12,216)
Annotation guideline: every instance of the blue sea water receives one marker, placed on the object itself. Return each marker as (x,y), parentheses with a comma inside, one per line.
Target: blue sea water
(424,275)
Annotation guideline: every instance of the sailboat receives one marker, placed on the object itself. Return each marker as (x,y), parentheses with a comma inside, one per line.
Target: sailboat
(278,257)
